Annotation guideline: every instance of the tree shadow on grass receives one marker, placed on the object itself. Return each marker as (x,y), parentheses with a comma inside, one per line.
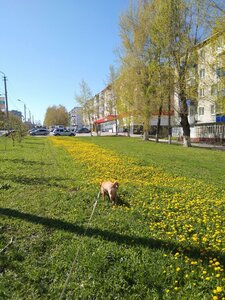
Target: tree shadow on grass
(34,143)
(24,161)
(193,252)
(50,182)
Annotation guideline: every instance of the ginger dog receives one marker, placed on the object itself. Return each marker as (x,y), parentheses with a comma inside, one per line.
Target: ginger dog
(109,188)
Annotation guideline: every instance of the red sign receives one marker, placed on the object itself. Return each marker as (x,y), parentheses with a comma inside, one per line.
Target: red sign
(106,119)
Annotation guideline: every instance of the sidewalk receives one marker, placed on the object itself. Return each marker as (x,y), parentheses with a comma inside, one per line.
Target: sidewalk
(197,145)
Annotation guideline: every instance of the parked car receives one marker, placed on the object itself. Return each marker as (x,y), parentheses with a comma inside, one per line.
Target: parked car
(36,128)
(63,132)
(83,130)
(40,131)
(32,130)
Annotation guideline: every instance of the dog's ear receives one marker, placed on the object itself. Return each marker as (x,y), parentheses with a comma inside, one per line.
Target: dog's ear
(116,184)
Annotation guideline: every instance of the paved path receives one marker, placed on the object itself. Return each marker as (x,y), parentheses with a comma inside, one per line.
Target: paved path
(199,145)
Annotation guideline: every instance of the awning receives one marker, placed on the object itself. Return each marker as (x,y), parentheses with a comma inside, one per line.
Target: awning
(108,118)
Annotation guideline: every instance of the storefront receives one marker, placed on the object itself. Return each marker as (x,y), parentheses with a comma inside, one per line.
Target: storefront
(107,124)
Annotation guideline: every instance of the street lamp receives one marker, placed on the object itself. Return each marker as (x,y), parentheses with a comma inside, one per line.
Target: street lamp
(6,96)
(25,109)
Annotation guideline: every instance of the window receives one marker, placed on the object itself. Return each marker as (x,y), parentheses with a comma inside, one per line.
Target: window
(201,111)
(214,90)
(213,109)
(202,54)
(202,73)
(202,92)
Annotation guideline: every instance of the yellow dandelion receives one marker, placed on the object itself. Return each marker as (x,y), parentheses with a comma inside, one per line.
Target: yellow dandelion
(219,289)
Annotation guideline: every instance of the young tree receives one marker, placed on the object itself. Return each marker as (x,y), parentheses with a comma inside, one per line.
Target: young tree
(139,64)
(113,76)
(125,101)
(86,101)
(19,128)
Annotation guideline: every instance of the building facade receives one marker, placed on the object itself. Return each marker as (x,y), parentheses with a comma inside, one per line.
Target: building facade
(76,118)
(207,111)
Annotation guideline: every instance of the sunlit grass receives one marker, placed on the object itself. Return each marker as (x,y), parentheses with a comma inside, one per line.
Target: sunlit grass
(164,240)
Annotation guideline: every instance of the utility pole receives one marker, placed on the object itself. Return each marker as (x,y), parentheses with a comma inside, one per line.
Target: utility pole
(25,110)
(6,99)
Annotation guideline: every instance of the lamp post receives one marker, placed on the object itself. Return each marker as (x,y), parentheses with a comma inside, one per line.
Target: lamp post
(25,109)
(6,96)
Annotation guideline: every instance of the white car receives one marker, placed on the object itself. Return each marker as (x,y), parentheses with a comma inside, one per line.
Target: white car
(62,132)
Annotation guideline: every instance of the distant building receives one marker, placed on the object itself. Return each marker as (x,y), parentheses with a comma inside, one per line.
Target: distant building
(76,118)
(16,113)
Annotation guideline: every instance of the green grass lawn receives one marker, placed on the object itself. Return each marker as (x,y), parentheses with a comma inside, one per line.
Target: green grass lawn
(163,240)
(204,164)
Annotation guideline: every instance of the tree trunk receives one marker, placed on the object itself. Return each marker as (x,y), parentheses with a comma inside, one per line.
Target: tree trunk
(186,130)
(146,128)
(169,120)
(184,120)
(116,126)
(128,129)
(158,124)
(145,136)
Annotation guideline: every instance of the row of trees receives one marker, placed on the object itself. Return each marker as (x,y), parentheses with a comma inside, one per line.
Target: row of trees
(158,54)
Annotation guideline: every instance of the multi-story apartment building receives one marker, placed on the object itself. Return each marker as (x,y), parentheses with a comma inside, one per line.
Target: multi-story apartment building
(104,113)
(207,110)
(76,119)
(108,119)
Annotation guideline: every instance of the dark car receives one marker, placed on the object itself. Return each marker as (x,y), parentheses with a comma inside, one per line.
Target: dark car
(40,131)
(83,130)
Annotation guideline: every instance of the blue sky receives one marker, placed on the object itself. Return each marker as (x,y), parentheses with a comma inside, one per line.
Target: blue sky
(49,46)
